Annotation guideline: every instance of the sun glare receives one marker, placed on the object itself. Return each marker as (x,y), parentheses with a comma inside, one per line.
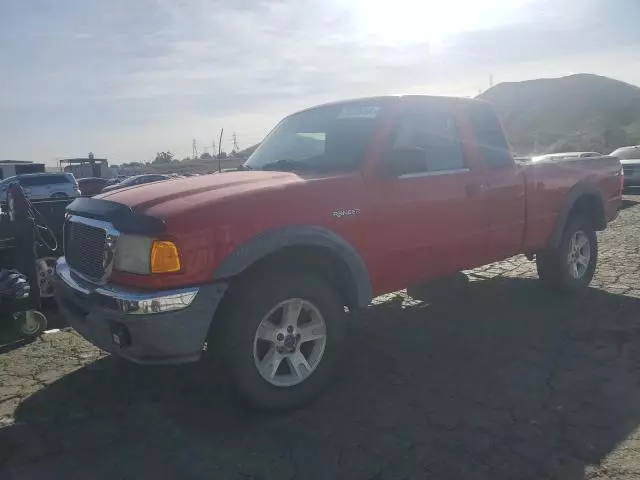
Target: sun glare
(404,22)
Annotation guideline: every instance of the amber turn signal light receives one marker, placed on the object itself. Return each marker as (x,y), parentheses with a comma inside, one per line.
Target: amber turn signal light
(165,257)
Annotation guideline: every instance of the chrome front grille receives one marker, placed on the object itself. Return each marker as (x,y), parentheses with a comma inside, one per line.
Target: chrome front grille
(628,169)
(89,246)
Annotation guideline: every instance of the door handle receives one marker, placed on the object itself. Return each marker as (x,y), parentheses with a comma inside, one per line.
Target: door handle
(474,189)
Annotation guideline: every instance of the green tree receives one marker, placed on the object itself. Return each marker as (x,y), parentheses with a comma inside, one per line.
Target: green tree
(163,157)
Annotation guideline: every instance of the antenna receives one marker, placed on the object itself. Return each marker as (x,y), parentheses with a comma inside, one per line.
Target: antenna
(219,150)
(236,147)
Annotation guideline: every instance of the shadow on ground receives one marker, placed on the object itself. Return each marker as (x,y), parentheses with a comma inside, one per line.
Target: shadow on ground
(628,203)
(496,379)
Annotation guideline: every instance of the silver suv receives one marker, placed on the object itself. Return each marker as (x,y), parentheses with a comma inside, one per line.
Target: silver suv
(39,186)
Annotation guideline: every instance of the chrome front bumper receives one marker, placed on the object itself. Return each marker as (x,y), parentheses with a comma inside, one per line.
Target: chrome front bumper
(131,302)
(169,326)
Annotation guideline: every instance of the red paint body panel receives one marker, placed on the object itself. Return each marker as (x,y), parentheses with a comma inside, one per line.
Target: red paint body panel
(548,183)
(407,230)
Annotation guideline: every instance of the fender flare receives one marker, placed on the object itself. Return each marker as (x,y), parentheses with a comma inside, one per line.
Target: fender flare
(578,191)
(271,241)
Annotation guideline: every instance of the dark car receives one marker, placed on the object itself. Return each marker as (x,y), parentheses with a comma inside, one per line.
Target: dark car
(136,180)
(91,186)
(118,179)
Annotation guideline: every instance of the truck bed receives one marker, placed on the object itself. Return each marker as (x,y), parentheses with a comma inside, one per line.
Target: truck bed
(548,185)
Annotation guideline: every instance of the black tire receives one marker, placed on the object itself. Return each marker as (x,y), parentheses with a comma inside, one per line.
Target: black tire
(249,304)
(554,267)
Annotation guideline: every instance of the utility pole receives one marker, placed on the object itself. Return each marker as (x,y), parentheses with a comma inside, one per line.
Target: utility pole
(220,150)
(195,150)
(490,80)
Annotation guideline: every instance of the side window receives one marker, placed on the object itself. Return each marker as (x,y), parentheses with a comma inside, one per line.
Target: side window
(58,179)
(490,138)
(30,182)
(434,131)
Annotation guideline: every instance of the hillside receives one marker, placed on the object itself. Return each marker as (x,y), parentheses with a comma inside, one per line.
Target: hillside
(247,151)
(578,112)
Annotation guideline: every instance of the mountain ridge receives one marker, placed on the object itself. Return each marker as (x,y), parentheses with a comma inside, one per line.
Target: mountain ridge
(581,112)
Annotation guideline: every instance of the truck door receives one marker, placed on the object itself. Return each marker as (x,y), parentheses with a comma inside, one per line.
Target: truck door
(430,203)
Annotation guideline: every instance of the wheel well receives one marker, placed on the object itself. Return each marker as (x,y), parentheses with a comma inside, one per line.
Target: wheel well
(307,258)
(591,207)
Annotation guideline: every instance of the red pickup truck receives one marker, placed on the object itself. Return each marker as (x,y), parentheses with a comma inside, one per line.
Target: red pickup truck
(339,204)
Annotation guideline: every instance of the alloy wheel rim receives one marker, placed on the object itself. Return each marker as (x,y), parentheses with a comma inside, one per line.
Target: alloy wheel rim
(289,342)
(45,268)
(579,255)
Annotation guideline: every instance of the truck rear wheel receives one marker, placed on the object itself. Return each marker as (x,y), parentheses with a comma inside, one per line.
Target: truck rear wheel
(284,333)
(571,266)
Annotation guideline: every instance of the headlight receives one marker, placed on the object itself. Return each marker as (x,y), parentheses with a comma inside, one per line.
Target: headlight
(144,255)
(133,253)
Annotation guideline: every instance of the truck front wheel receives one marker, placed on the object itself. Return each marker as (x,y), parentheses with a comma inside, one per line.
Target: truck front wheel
(283,337)
(571,266)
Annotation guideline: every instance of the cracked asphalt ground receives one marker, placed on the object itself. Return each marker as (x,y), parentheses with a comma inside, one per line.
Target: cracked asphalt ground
(494,378)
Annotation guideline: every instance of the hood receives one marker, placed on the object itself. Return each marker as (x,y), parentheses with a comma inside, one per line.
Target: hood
(632,161)
(162,199)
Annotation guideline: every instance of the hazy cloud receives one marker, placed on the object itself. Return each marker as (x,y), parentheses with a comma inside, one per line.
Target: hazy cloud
(129,78)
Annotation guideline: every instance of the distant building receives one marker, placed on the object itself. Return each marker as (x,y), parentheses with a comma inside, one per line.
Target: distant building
(9,168)
(86,167)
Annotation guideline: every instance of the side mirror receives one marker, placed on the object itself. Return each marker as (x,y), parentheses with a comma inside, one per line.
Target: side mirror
(403,161)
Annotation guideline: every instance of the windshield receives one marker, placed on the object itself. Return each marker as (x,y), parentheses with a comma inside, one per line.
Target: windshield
(327,138)
(627,153)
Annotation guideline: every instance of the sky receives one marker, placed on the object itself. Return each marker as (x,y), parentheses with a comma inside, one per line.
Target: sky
(128,78)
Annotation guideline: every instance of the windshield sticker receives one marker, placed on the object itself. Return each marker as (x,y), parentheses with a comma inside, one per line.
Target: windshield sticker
(358,112)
